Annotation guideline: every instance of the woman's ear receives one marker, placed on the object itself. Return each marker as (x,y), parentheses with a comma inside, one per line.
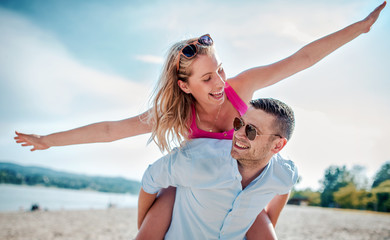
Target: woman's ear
(183,86)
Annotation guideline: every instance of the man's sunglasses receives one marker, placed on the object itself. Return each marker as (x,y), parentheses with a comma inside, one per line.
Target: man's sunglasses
(190,50)
(250,130)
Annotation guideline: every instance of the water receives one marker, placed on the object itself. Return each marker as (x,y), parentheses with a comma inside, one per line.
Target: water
(18,197)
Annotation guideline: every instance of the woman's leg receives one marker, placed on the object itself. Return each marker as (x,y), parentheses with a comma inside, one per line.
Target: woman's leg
(264,225)
(158,218)
(262,228)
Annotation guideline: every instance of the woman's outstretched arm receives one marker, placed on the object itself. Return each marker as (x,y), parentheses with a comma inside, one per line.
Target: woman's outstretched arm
(98,132)
(253,79)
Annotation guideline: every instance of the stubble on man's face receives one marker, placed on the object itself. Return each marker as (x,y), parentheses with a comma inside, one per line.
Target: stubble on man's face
(256,155)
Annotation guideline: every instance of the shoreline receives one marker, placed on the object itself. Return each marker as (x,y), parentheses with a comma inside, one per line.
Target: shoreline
(18,197)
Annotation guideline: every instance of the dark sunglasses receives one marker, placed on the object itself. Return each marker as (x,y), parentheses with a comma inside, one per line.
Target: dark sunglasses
(190,50)
(250,130)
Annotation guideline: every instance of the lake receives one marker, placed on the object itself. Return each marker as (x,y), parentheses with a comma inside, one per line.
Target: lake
(22,197)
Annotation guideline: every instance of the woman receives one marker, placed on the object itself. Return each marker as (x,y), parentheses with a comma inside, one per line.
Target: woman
(194,99)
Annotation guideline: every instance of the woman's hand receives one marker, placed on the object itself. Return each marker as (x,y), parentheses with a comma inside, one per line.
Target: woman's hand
(30,140)
(372,17)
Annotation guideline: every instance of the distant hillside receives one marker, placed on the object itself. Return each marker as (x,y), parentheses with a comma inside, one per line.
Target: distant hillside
(16,174)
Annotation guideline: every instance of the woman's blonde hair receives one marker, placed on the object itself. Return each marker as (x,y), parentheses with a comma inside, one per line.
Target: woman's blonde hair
(171,113)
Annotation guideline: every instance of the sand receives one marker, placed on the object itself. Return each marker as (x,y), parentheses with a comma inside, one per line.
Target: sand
(296,222)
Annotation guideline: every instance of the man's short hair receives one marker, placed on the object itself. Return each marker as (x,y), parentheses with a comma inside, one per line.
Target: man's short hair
(284,115)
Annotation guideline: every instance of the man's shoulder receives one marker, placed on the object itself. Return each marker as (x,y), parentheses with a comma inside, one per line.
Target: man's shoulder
(284,169)
(284,163)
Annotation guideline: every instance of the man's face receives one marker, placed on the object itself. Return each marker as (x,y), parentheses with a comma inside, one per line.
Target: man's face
(263,147)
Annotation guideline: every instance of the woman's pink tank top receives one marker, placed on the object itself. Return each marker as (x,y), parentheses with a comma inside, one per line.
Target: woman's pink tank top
(238,104)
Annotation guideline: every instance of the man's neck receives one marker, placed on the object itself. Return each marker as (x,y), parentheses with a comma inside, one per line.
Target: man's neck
(250,170)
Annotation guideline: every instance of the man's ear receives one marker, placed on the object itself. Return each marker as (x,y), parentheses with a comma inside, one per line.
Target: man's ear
(183,86)
(279,145)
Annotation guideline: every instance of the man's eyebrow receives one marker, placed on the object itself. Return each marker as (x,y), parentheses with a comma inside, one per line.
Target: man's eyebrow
(211,72)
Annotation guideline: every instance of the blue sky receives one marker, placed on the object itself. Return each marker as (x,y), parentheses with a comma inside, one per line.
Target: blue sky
(65,64)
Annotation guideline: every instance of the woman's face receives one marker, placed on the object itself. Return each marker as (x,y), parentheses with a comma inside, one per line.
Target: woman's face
(207,81)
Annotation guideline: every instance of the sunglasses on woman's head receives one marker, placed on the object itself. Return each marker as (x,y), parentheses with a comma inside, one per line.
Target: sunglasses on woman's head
(250,130)
(190,50)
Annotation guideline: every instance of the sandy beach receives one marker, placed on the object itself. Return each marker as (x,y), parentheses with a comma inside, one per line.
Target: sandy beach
(296,222)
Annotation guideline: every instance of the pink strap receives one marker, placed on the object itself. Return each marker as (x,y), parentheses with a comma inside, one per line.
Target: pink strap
(237,102)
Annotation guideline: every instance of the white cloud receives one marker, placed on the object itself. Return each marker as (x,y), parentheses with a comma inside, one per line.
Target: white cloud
(40,73)
(150,59)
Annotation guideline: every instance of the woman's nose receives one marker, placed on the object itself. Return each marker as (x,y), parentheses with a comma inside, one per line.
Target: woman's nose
(221,81)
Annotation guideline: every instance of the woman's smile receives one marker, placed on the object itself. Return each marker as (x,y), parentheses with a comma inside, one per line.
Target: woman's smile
(218,95)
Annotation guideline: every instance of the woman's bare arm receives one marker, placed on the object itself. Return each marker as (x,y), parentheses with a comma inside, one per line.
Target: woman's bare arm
(275,207)
(98,132)
(145,202)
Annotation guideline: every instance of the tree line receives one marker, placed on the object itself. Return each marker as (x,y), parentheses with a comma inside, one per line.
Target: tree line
(350,188)
(15,174)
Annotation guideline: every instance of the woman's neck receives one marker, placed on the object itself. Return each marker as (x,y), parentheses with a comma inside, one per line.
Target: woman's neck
(207,111)
(208,116)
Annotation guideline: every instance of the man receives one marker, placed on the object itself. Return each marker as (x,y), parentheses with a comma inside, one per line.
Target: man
(222,185)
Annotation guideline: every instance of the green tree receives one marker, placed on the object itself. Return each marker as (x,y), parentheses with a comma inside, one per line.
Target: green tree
(351,197)
(382,193)
(335,177)
(345,195)
(382,175)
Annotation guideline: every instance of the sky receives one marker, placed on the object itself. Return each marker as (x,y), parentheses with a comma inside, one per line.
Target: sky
(65,64)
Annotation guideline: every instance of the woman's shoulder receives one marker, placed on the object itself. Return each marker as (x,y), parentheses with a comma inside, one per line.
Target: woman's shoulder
(238,85)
